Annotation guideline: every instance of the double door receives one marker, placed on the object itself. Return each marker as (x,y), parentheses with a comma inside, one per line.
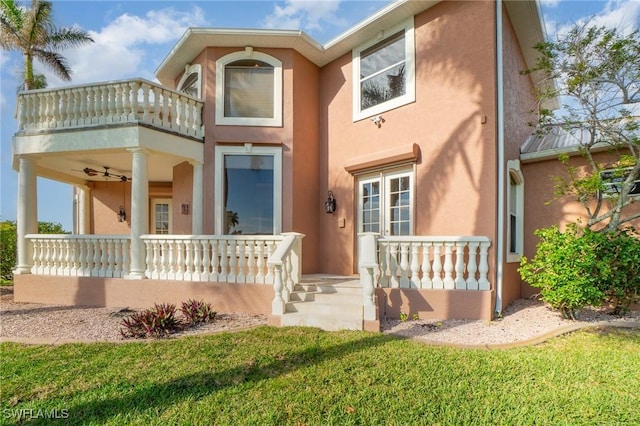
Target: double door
(385,203)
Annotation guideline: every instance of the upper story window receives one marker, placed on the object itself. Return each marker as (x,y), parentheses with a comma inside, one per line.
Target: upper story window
(190,81)
(384,72)
(613,179)
(249,89)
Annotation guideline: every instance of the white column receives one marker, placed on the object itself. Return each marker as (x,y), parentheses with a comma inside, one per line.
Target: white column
(197,215)
(27,215)
(139,212)
(84,209)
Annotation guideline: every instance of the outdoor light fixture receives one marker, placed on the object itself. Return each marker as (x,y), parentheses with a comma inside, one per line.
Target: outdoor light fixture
(122,214)
(330,204)
(378,121)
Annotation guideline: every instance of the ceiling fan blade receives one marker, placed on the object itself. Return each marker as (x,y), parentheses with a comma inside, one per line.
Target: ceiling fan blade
(90,172)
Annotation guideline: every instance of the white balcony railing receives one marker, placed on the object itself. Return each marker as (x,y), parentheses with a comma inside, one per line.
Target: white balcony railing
(213,258)
(99,104)
(80,255)
(454,263)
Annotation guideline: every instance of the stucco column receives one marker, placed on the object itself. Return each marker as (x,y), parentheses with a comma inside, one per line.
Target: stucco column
(139,211)
(197,215)
(84,209)
(27,214)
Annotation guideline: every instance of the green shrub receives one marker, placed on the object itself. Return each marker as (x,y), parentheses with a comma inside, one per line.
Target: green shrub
(567,268)
(197,311)
(622,284)
(576,268)
(159,321)
(8,244)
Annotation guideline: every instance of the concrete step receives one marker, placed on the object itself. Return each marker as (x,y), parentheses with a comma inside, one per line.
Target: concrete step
(325,323)
(330,304)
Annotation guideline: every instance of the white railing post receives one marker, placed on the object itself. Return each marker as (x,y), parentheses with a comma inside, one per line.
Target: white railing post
(367,264)
(483,282)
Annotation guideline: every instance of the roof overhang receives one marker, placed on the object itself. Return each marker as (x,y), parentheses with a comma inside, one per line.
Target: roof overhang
(528,25)
(195,40)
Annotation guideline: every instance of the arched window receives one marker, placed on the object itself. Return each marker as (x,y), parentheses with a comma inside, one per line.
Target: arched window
(249,89)
(190,81)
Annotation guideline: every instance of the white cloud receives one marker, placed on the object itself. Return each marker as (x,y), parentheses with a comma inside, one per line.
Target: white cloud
(621,14)
(549,3)
(122,48)
(305,15)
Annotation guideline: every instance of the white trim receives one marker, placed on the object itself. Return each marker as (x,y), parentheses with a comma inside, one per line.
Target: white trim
(513,170)
(276,120)
(410,52)
(248,149)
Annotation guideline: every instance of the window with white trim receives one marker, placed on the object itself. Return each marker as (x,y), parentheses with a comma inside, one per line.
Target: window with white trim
(249,89)
(515,202)
(384,72)
(248,190)
(612,180)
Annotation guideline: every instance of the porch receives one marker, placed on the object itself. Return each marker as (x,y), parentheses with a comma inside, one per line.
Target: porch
(433,277)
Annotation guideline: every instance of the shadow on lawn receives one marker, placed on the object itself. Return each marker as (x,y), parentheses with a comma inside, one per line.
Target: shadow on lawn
(199,385)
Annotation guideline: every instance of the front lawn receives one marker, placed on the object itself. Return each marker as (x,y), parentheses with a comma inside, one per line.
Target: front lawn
(291,376)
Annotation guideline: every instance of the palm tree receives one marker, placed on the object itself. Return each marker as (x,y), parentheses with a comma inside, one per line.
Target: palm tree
(31,30)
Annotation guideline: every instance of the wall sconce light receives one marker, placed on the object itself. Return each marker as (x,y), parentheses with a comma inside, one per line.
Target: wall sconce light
(378,120)
(330,204)
(184,208)
(122,214)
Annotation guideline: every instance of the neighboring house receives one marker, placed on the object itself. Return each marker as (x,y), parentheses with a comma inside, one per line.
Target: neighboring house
(266,166)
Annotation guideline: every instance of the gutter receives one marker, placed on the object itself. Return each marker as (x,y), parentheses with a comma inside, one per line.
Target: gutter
(501,154)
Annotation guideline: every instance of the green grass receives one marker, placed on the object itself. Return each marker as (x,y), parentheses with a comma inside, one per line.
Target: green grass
(290,376)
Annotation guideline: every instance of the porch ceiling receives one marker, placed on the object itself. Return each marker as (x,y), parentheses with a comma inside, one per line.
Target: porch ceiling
(63,156)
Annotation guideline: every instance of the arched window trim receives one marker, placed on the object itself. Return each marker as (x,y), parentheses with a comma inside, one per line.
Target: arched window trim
(190,70)
(248,53)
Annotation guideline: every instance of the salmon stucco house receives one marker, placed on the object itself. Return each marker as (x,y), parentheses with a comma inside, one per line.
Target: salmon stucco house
(329,185)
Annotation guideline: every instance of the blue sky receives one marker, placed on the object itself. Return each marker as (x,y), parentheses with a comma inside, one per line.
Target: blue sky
(133,37)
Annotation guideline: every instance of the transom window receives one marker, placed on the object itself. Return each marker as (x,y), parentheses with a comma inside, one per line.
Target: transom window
(384,76)
(249,90)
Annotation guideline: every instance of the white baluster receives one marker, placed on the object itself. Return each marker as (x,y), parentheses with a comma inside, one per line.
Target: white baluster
(393,265)
(41,256)
(461,284)
(103,258)
(260,262)
(426,266)
(404,265)
(384,264)
(117,267)
(242,263)
(171,272)
(448,266)
(215,261)
(197,261)
(222,277)
(271,247)
(206,260)
(251,277)
(126,244)
(34,256)
(155,259)
(437,266)
(180,259)
(233,261)
(278,304)
(483,268)
(61,257)
(110,258)
(472,267)
(415,265)
(188,261)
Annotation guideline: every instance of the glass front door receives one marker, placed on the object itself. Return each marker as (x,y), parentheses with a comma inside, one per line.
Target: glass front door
(385,203)
(160,220)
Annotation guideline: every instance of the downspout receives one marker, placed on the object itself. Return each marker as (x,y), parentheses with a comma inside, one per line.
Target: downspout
(501,172)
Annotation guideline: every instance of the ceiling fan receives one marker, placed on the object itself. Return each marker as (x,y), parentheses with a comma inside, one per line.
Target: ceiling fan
(106,174)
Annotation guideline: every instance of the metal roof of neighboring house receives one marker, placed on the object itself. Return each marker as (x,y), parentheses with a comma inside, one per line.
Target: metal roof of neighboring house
(525,16)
